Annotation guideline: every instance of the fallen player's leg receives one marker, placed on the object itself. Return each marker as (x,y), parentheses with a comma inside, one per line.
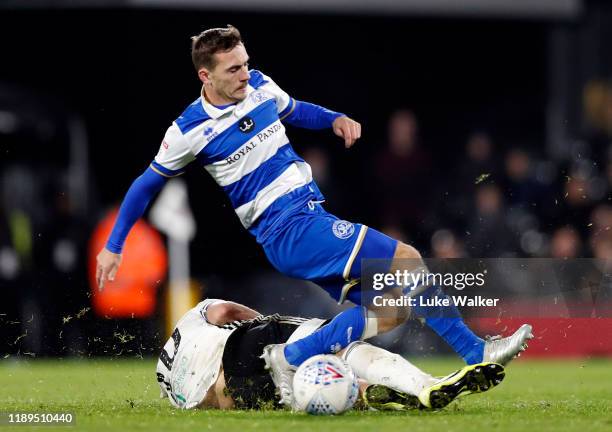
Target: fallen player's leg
(395,383)
(471,379)
(379,366)
(383,398)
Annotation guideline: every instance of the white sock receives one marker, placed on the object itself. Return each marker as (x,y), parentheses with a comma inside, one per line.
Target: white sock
(379,366)
(371,325)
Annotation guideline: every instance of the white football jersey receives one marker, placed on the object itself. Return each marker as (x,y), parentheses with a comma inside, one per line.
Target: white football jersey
(190,360)
(244,147)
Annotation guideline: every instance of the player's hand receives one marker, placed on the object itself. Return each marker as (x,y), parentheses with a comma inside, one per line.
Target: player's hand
(106,268)
(348,129)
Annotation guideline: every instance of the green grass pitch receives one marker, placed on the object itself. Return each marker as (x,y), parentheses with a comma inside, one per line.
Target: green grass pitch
(122,394)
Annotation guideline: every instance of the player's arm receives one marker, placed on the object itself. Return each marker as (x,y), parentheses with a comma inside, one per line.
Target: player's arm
(310,116)
(225,312)
(217,395)
(173,157)
(305,114)
(133,206)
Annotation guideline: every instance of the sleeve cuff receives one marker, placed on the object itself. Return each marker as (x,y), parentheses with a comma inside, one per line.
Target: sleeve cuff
(334,116)
(114,248)
(159,169)
(288,110)
(208,304)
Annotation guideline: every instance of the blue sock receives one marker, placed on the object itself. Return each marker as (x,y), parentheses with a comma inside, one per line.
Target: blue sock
(345,328)
(446,321)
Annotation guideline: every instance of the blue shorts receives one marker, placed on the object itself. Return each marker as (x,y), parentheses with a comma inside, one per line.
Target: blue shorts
(315,245)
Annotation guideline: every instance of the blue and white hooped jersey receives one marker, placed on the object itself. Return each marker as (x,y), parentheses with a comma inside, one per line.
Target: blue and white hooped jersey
(243,146)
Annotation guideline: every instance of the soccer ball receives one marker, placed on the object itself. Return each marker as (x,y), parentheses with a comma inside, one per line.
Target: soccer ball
(323,385)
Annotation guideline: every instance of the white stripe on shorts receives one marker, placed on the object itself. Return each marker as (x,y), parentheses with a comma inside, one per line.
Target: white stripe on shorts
(354,252)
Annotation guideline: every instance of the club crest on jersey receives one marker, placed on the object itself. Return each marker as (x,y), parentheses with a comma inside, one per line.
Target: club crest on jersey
(259,97)
(246,124)
(343,229)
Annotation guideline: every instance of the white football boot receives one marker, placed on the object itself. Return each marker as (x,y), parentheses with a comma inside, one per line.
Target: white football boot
(502,350)
(281,371)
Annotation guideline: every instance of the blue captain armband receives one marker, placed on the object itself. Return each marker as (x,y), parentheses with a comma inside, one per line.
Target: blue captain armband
(307,115)
(134,204)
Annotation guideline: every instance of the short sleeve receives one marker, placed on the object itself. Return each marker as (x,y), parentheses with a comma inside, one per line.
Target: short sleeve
(205,305)
(174,154)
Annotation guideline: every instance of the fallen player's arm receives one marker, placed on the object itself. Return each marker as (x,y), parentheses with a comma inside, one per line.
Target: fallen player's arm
(220,313)
(217,396)
(225,312)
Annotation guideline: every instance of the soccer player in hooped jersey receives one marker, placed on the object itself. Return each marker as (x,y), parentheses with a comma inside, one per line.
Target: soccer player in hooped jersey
(235,130)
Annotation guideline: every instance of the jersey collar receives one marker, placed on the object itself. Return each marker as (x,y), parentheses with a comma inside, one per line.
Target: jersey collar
(215,112)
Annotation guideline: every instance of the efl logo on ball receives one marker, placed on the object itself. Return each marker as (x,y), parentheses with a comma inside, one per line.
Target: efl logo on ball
(324,385)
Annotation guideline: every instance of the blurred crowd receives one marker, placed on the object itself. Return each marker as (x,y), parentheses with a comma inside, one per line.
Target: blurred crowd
(493,200)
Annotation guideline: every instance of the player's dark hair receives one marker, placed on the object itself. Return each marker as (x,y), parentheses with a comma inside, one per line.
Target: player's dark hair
(205,45)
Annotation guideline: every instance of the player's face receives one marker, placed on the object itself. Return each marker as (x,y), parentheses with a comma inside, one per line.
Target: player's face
(230,76)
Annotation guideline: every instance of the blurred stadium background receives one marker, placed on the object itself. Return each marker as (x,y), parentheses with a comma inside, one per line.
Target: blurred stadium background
(487,133)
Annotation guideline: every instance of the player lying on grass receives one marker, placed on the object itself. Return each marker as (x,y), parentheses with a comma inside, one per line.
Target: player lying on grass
(213,360)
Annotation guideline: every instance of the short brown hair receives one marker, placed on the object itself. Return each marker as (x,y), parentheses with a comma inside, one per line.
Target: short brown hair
(205,45)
